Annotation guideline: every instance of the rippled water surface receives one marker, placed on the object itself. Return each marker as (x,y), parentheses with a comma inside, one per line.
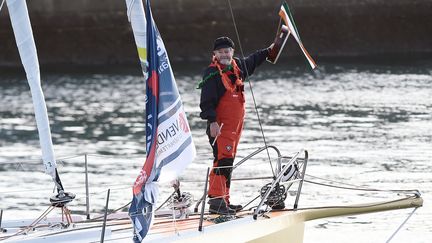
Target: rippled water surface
(362,124)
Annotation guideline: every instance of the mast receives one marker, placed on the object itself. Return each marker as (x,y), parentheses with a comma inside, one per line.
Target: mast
(27,49)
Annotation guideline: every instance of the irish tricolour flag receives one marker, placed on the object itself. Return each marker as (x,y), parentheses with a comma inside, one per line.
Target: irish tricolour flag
(288,19)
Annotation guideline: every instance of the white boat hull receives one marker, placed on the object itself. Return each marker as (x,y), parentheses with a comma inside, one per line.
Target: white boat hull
(277,226)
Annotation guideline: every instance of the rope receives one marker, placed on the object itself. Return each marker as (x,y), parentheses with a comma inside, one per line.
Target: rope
(173,218)
(338,182)
(112,212)
(63,159)
(34,161)
(32,225)
(126,186)
(122,186)
(163,204)
(250,85)
(117,156)
(247,204)
(400,226)
(415,191)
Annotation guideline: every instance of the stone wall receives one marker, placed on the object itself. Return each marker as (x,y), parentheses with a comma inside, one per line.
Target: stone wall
(89,32)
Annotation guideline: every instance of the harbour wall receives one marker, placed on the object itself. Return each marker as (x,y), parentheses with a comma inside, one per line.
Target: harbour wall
(88,32)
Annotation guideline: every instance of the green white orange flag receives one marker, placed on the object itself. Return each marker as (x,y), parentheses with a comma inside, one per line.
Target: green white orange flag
(288,19)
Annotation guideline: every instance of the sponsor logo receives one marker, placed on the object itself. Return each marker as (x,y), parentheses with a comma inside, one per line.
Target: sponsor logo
(174,130)
(160,46)
(163,57)
(228,148)
(168,133)
(172,136)
(139,182)
(183,123)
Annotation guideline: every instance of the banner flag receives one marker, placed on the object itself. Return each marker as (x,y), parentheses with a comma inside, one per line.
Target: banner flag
(169,143)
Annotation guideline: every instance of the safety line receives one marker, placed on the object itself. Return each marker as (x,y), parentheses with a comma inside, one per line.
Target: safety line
(250,85)
(414,191)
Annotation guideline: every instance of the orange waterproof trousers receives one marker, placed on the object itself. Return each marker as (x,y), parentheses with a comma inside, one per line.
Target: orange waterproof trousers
(230,114)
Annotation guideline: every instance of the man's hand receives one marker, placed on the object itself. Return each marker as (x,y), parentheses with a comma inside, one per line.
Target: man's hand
(214,129)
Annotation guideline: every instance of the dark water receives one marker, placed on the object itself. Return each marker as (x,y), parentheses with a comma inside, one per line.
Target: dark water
(366,125)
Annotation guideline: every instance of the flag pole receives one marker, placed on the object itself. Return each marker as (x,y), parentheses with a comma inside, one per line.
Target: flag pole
(1,6)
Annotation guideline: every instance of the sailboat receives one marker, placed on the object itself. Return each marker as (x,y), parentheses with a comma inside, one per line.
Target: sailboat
(261,220)
(27,50)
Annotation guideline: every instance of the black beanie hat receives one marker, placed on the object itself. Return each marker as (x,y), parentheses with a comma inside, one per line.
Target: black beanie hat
(223,42)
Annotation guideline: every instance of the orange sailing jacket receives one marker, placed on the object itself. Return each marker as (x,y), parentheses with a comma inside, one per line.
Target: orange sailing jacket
(213,87)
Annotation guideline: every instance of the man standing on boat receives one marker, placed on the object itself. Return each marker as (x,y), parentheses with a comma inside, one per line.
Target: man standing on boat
(223,106)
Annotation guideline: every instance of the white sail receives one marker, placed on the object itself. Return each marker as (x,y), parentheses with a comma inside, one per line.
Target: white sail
(27,50)
(136,16)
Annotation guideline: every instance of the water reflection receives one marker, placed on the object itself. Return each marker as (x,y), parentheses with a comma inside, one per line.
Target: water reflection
(363,125)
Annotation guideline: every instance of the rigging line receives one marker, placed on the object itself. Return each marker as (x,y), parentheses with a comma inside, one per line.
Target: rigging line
(355,187)
(116,156)
(247,204)
(70,157)
(37,161)
(30,226)
(337,182)
(112,212)
(250,85)
(79,229)
(163,204)
(415,191)
(117,185)
(400,226)
(174,219)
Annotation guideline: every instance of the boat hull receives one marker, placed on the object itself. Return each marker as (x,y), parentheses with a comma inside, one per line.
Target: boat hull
(275,226)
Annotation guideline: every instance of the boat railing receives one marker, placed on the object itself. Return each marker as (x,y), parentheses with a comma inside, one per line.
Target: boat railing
(259,150)
(278,178)
(280,173)
(279,158)
(248,157)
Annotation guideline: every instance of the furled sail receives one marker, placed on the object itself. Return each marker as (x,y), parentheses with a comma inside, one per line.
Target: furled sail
(27,50)
(169,143)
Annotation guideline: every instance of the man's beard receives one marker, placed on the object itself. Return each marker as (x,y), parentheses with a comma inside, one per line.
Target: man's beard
(225,61)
